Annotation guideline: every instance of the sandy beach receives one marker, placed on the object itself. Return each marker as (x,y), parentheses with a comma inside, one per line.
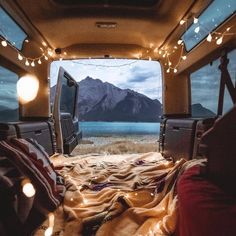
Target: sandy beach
(117,145)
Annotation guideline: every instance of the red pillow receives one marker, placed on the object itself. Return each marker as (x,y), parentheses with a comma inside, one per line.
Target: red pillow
(204,208)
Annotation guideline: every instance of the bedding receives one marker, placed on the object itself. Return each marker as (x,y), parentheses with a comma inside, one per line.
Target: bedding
(117,195)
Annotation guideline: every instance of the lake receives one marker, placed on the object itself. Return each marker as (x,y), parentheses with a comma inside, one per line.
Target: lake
(118,128)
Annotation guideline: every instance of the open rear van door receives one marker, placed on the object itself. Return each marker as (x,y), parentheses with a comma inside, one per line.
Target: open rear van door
(65,112)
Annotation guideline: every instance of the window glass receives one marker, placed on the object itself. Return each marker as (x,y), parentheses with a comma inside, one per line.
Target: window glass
(8,96)
(232,71)
(11,31)
(68,93)
(217,12)
(205,86)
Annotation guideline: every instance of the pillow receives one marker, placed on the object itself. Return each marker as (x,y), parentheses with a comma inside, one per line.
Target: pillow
(204,209)
(30,158)
(220,141)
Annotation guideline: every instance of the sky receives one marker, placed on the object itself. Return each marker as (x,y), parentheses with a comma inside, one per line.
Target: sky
(139,75)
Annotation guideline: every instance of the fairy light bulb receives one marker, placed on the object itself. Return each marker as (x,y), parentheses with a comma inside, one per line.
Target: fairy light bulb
(27,62)
(195,20)
(4,43)
(182,22)
(45,57)
(228,29)
(168,70)
(219,40)
(48,231)
(20,57)
(39,62)
(27,188)
(175,70)
(209,38)
(160,52)
(169,63)
(184,57)
(197,29)
(32,64)
(179,41)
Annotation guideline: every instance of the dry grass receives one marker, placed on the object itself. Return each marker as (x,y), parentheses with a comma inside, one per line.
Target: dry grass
(117,147)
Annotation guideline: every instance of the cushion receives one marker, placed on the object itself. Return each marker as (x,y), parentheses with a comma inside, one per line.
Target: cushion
(31,160)
(220,141)
(204,208)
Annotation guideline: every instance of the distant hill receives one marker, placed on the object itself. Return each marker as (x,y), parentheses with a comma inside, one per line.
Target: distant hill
(199,111)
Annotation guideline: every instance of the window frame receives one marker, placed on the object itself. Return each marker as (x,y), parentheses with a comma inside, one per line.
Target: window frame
(13,19)
(203,39)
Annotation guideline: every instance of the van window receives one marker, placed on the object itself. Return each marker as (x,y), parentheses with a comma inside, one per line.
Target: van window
(11,31)
(8,95)
(216,13)
(205,87)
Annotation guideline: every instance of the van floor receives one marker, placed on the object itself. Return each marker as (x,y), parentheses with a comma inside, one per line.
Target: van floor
(117,145)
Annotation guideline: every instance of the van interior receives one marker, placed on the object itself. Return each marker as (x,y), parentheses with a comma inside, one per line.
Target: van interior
(187,188)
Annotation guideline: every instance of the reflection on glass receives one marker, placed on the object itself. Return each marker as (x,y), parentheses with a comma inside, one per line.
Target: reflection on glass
(8,96)
(10,30)
(216,13)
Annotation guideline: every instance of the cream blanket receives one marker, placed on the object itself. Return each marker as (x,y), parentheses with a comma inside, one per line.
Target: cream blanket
(118,195)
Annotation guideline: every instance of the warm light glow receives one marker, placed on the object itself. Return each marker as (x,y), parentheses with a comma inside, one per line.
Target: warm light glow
(44,44)
(195,20)
(175,70)
(219,40)
(46,58)
(151,45)
(175,47)
(168,70)
(170,63)
(27,88)
(149,58)
(160,52)
(48,231)
(197,29)
(27,62)
(27,188)
(228,29)
(32,64)
(152,194)
(184,57)
(209,38)
(182,22)
(60,59)
(20,57)
(4,43)
(155,50)
(180,41)
(39,61)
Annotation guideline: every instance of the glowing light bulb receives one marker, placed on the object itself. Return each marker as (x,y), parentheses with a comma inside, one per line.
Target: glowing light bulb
(44,44)
(164,55)
(32,64)
(50,52)
(170,63)
(149,58)
(27,88)
(27,188)
(152,194)
(160,52)
(27,62)
(209,38)
(182,22)
(184,57)
(48,231)
(20,57)
(45,57)
(195,20)
(228,29)
(168,70)
(197,29)
(39,61)
(60,59)
(175,70)
(179,41)
(4,43)
(219,40)
(175,47)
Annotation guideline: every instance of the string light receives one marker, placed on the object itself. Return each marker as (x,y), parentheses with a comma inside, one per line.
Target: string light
(26,62)
(20,57)
(219,40)
(4,43)
(209,38)
(195,20)
(182,22)
(179,41)
(27,188)
(184,57)
(32,64)
(39,62)
(175,70)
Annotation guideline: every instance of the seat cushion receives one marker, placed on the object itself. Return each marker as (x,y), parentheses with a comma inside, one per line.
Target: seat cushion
(204,208)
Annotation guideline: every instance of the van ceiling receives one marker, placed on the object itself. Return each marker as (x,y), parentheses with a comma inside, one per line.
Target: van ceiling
(71,24)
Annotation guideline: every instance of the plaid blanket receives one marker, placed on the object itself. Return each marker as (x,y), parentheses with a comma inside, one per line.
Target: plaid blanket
(118,195)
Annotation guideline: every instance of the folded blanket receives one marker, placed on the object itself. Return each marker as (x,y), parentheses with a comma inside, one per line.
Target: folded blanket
(118,196)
